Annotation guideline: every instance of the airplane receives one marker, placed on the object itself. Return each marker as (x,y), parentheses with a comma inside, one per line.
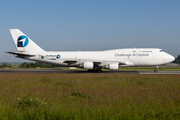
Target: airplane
(90,60)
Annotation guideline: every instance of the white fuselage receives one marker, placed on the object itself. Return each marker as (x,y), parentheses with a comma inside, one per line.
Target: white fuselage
(129,57)
(92,60)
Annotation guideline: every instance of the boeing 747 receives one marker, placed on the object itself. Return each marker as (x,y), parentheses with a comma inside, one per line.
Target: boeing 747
(91,60)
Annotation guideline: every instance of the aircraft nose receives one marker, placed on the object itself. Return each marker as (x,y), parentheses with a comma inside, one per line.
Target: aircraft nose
(169,58)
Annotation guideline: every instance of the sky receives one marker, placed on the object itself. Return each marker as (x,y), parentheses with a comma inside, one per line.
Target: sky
(89,25)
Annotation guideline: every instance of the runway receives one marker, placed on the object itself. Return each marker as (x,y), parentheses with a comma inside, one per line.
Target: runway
(80,71)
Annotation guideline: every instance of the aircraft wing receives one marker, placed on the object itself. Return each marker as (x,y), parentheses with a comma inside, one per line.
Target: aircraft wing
(98,62)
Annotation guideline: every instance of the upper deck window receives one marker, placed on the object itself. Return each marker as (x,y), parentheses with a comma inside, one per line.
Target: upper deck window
(146,51)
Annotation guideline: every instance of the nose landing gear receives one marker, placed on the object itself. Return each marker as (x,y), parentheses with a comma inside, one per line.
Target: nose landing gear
(156,69)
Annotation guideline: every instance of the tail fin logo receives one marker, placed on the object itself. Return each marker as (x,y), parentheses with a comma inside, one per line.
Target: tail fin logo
(22,41)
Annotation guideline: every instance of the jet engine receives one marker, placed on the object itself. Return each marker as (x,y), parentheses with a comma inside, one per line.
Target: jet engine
(88,65)
(113,66)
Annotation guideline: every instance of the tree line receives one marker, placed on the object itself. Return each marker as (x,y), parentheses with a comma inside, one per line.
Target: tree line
(177,60)
(28,65)
(36,64)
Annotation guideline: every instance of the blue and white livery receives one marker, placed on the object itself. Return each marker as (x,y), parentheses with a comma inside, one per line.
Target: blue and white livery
(91,60)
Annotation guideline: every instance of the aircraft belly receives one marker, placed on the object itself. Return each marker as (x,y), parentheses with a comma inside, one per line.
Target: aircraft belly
(141,61)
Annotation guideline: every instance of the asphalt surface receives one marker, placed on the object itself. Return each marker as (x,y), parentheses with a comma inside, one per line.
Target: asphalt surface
(80,71)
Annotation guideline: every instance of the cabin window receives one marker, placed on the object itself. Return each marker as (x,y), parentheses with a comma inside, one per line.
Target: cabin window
(146,51)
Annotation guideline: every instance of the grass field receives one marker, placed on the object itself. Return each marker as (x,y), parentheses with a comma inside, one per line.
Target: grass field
(89,97)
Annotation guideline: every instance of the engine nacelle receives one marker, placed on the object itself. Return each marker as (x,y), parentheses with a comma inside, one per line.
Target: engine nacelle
(113,66)
(88,65)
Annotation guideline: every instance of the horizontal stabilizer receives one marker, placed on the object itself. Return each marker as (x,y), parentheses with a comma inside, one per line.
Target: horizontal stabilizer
(21,54)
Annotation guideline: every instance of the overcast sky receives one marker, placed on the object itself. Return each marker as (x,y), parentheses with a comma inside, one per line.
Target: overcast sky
(73,25)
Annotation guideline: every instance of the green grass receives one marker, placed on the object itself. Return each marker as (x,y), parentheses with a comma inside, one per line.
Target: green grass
(89,97)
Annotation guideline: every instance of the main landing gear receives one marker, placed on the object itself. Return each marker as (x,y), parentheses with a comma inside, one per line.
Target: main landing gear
(156,69)
(97,69)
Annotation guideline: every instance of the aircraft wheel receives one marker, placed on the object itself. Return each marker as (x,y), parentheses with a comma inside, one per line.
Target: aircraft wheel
(156,70)
(99,69)
(90,70)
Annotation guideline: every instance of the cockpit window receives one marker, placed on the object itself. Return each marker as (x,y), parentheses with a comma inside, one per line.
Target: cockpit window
(161,51)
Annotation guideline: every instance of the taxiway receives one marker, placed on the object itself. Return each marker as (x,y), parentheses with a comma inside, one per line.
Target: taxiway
(81,71)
